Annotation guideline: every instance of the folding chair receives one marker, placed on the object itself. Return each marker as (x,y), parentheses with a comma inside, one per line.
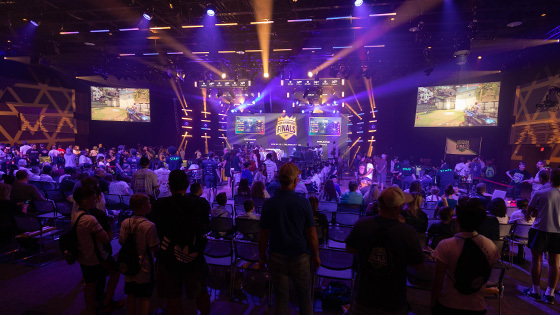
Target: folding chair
(346,218)
(505,230)
(219,253)
(239,200)
(247,254)
(55,195)
(337,235)
(430,205)
(335,264)
(495,284)
(343,207)
(259,202)
(520,236)
(113,202)
(431,213)
(32,229)
(248,228)
(46,209)
(48,185)
(219,225)
(326,206)
(431,221)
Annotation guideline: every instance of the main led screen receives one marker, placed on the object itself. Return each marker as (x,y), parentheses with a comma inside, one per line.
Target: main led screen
(120,104)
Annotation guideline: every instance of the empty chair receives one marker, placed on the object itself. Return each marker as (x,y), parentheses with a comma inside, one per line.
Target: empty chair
(239,200)
(125,201)
(246,254)
(219,253)
(335,264)
(328,214)
(259,202)
(113,202)
(36,184)
(326,206)
(346,218)
(432,221)
(430,205)
(55,195)
(343,207)
(64,208)
(45,208)
(33,235)
(337,235)
(520,237)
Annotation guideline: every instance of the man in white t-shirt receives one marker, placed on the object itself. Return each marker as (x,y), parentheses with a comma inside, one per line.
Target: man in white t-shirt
(544,237)
(144,180)
(446,299)
(24,147)
(461,168)
(163,180)
(271,168)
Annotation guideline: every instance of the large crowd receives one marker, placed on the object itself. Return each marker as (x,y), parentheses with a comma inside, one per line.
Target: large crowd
(170,220)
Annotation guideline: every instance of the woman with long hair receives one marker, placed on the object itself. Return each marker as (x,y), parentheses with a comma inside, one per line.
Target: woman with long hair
(329,193)
(260,174)
(243,189)
(372,195)
(413,216)
(258,190)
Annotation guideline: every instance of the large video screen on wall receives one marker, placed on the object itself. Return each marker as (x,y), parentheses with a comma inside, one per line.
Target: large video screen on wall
(249,124)
(324,126)
(467,105)
(120,104)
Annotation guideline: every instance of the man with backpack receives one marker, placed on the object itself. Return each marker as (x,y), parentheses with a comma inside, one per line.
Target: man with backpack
(138,238)
(181,222)
(96,264)
(211,176)
(384,248)
(463,265)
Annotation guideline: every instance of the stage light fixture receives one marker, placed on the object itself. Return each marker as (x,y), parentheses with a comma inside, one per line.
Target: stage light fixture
(223,75)
(310,74)
(34,23)
(147,16)
(210,10)
(266,75)
(358,3)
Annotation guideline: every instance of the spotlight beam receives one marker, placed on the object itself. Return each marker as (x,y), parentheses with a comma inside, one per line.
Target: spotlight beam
(354,94)
(263,12)
(409,10)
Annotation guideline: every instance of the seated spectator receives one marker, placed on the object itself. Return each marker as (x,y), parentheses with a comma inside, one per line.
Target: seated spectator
(415,186)
(119,186)
(249,207)
(258,190)
(46,175)
(434,194)
(444,227)
(497,207)
(448,197)
(329,192)
(35,174)
(321,221)
(22,163)
(413,216)
(364,186)
(372,209)
(246,173)
(260,175)
(195,165)
(336,185)
(244,189)
(522,216)
(300,187)
(351,196)
(23,191)
(67,172)
(371,195)
(196,191)
(220,210)
(273,186)
(481,194)
(446,299)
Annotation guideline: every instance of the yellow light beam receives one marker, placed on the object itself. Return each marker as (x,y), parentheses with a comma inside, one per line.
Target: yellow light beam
(353,93)
(370,147)
(263,12)
(227,142)
(353,111)
(410,10)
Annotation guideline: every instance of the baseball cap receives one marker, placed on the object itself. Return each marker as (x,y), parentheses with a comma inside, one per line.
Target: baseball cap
(392,197)
(288,172)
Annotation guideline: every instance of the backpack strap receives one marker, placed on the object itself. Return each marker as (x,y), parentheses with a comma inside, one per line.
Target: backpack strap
(463,238)
(75,227)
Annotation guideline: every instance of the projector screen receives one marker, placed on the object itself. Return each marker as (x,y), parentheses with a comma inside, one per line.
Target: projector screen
(468,105)
(324,126)
(117,104)
(249,125)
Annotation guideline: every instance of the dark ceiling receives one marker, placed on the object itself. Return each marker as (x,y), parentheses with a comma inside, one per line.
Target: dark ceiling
(422,36)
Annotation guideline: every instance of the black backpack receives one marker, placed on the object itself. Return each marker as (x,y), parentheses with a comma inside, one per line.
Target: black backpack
(68,243)
(335,295)
(473,269)
(378,257)
(128,262)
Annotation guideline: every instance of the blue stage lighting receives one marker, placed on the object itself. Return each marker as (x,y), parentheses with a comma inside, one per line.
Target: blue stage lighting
(210,12)
(147,16)
(358,2)
(34,23)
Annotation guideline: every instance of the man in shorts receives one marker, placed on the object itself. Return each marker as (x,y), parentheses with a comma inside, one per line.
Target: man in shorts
(211,175)
(544,236)
(181,223)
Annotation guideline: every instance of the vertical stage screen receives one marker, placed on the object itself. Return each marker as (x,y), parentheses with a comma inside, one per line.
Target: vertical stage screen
(120,104)
(287,131)
(467,105)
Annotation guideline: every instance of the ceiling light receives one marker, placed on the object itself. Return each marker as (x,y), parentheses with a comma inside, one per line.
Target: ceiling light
(192,26)
(147,16)
(479,57)
(544,14)
(358,2)
(266,75)
(210,10)
(34,23)
(310,74)
(223,75)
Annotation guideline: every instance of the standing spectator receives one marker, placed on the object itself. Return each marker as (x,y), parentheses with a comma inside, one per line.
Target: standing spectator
(244,189)
(211,175)
(446,299)
(489,172)
(163,179)
(271,168)
(351,196)
(84,159)
(145,181)
(24,147)
(518,176)
(260,174)
(287,221)
(181,224)
(407,172)
(336,185)
(173,160)
(381,168)
(70,159)
(461,168)
(544,237)
(535,181)
(246,173)
(140,286)
(381,288)
(475,168)
(413,215)
(544,180)
(53,154)
(95,262)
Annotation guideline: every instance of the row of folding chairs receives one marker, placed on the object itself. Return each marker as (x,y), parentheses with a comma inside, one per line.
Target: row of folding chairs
(117,202)
(225,228)
(44,185)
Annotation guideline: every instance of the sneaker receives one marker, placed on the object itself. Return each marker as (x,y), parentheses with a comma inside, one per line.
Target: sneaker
(549,299)
(113,306)
(529,292)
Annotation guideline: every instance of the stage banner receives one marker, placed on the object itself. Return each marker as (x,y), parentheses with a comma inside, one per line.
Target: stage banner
(463,146)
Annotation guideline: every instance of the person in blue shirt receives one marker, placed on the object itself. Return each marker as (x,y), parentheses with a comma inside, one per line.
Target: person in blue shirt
(211,175)
(246,173)
(351,196)
(174,160)
(287,230)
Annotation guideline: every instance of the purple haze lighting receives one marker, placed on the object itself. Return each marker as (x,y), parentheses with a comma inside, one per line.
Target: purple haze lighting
(34,23)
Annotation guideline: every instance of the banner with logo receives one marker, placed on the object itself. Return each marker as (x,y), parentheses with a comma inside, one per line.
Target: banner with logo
(463,146)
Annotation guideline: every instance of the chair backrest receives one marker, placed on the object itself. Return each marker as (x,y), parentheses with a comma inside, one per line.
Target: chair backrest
(346,218)
(218,248)
(248,251)
(438,238)
(430,213)
(259,202)
(44,206)
(431,221)
(221,224)
(55,195)
(339,233)
(499,194)
(505,230)
(239,210)
(327,214)
(320,232)
(496,276)
(431,205)
(27,223)
(239,200)
(247,226)
(113,201)
(343,207)
(499,245)
(126,200)
(335,259)
(64,207)
(522,230)
(36,184)
(48,185)
(326,206)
